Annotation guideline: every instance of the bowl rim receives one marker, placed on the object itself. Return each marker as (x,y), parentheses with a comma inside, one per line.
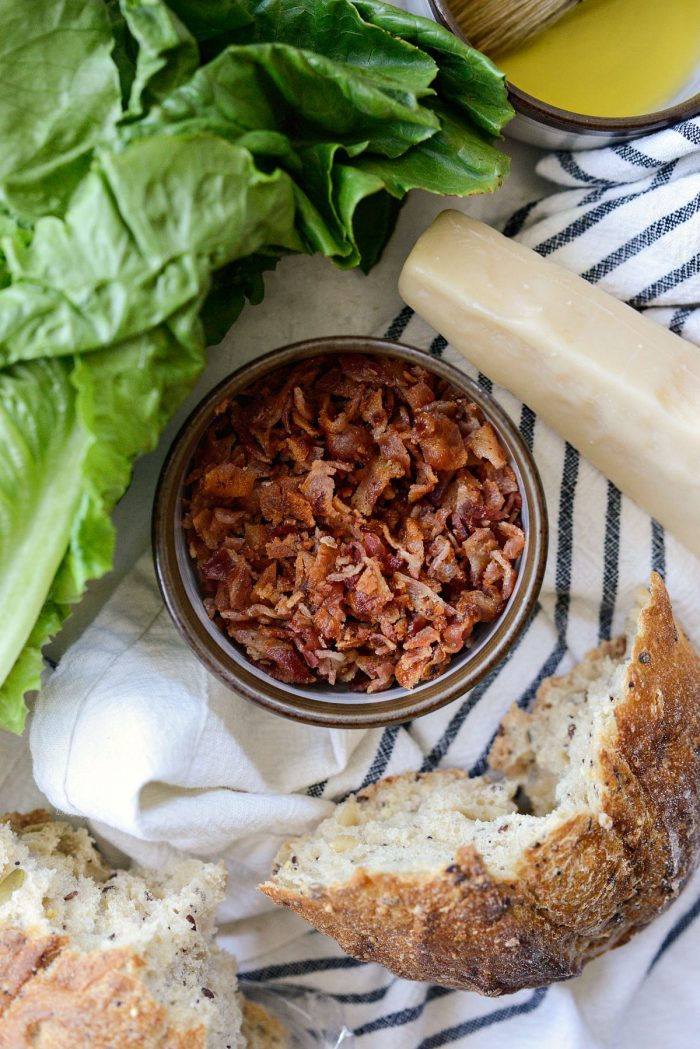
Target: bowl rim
(578,123)
(217,652)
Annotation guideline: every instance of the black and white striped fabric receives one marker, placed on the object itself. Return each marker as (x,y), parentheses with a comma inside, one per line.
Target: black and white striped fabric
(627,218)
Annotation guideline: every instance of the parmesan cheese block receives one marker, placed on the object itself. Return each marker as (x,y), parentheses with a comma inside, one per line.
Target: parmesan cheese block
(622,390)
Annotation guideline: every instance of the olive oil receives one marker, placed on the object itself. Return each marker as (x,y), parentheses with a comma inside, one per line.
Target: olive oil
(612,58)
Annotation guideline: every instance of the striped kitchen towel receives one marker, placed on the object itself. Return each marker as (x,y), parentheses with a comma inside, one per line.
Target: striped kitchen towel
(627,217)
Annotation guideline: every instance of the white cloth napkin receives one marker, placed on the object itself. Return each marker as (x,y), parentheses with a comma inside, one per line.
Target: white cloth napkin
(133,732)
(134,735)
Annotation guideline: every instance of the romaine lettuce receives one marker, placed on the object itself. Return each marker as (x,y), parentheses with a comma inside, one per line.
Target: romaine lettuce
(59,93)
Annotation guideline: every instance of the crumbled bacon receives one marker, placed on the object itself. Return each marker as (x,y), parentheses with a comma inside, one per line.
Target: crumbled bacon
(353,444)
(228,481)
(441,441)
(374,478)
(353,520)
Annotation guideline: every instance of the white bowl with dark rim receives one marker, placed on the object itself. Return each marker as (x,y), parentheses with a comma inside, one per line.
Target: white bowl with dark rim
(323,704)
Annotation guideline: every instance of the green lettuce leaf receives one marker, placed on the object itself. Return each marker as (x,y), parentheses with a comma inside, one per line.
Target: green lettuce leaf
(138,243)
(59,95)
(70,430)
(333,28)
(166,52)
(231,287)
(276,86)
(44,448)
(458,160)
(25,675)
(213,19)
(465,77)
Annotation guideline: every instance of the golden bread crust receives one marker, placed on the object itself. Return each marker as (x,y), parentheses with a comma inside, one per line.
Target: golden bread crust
(84,1001)
(20,959)
(587,886)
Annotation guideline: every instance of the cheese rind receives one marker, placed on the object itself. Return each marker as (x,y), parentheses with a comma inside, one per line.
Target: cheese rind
(622,390)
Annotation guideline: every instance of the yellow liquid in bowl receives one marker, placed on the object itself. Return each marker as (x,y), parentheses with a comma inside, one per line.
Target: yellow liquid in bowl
(612,58)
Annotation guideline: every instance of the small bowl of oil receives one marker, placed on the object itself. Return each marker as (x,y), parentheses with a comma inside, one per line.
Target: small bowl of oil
(605,71)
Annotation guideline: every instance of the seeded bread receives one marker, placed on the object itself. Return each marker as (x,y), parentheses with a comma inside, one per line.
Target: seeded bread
(91,957)
(584,828)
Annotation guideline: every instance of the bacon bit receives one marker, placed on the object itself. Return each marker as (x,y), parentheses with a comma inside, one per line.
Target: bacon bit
(318,488)
(484,444)
(442,562)
(419,395)
(373,480)
(228,481)
(372,371)
(265,589)
(217,566)
(427,636)
(352,445)
(323,562)
(374,547)
(373,412)
(281,499)
(264,612)
(500,570)
(301,448)
(240,585)
(370,594)
(256,538)
(281,548)
(392,447)
(340,423)
(478,548)
(441,441)
(455,635)
(426,480)
(301,405)
(346,572)
(299,420)
(380,671)
(494,501)
(413,667)
(337,513)
(283,662)
(330,617)
(515,540)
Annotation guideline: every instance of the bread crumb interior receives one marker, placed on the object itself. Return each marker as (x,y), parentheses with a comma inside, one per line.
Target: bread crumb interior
(544,768)
(53,881)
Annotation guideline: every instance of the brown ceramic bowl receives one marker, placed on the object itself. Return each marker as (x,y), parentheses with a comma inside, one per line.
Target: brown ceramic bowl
(324,704)
(543,125)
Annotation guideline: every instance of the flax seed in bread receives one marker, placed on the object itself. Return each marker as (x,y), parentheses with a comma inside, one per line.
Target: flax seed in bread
(91,957)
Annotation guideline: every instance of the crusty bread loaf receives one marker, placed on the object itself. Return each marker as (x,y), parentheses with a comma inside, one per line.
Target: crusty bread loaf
(92,958)
(585,827)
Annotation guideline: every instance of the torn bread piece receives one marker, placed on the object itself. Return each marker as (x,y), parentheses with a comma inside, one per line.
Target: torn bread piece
(585,826)
(105,959)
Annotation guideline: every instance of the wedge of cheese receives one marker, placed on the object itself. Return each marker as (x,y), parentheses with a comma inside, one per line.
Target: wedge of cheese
(622,390)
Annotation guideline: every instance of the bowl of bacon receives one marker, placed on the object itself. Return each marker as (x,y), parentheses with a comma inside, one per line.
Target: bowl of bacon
(349,532)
